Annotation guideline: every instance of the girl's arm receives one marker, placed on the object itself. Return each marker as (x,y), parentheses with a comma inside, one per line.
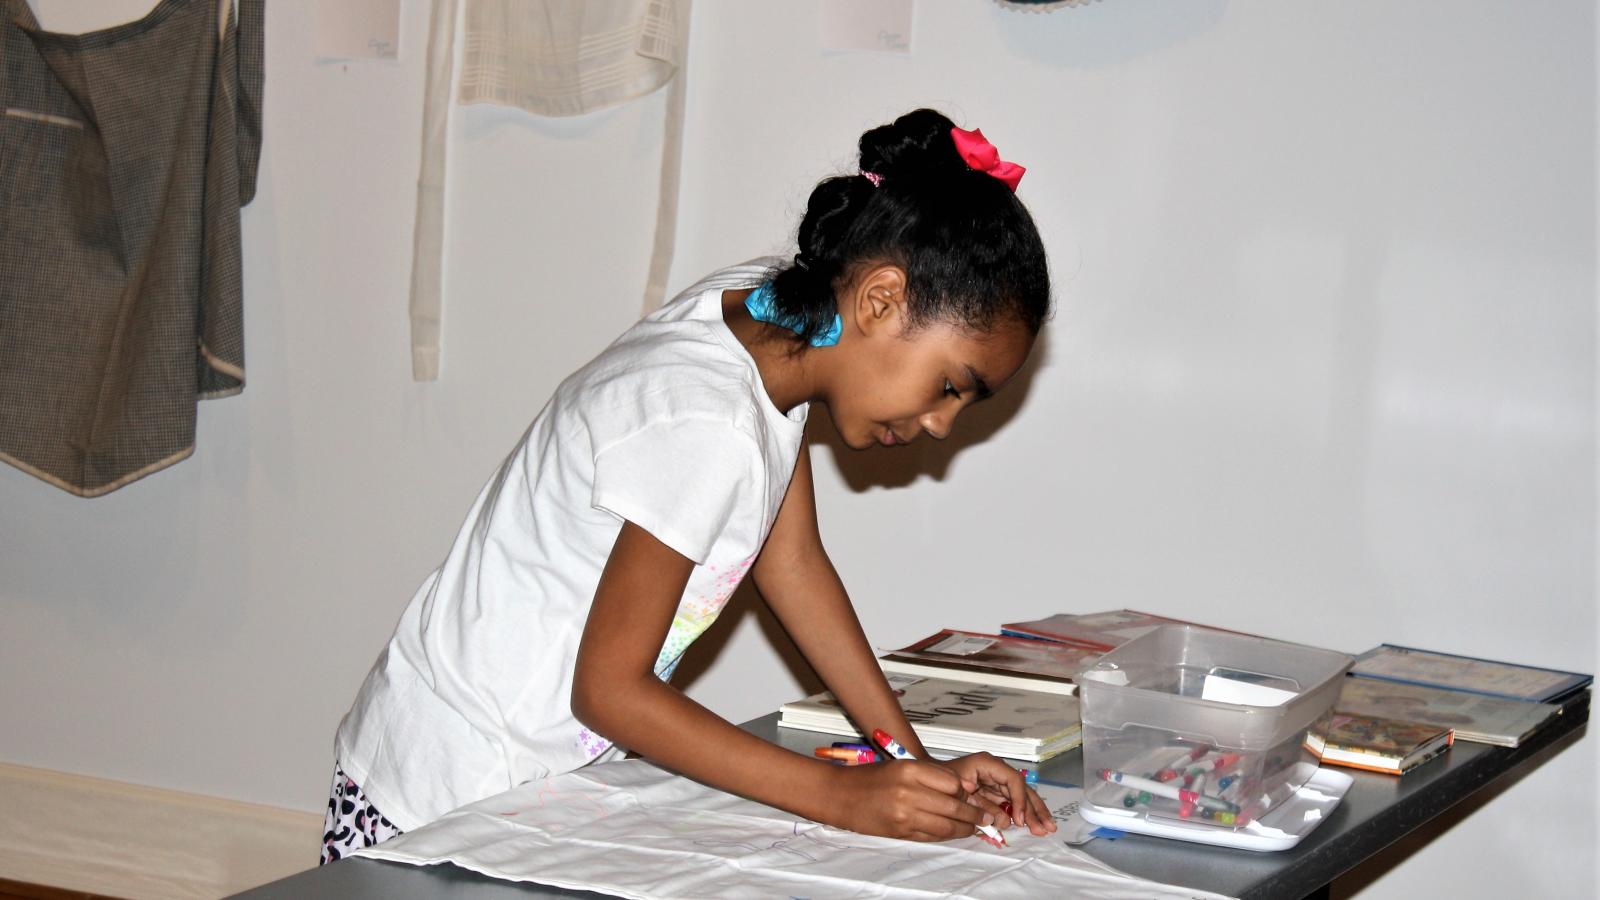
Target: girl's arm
(616,693)
(800,585)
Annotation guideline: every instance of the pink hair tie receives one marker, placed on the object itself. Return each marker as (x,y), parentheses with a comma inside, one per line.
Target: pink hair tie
(982,156)
(873,177)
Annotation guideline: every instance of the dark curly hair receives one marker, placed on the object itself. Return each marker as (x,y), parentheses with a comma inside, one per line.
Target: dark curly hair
(971,253)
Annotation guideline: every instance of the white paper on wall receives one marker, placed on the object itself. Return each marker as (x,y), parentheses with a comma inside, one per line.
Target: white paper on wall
(880,25)
(358,29)
(632,829)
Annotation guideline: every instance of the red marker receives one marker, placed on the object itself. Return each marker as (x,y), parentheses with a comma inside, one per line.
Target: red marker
(1175,768)
(890,745)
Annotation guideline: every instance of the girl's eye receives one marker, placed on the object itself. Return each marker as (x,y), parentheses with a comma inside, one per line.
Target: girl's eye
(950,389)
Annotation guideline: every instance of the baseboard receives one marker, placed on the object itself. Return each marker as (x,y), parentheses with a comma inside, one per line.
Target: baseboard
(124,840)
(16,890)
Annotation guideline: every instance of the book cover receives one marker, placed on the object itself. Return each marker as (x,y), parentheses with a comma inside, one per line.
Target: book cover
(1475,717)
(960,717)
(1375,744)
(993,659)
(1101,631)
(1092,631)
(1490,678)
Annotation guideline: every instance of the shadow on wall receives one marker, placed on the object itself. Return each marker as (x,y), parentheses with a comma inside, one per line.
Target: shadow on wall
(862,470)
(1107,33)
(899,467)
(744,602)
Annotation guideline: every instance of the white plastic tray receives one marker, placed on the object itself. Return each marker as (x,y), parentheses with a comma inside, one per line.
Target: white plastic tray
(1278,829)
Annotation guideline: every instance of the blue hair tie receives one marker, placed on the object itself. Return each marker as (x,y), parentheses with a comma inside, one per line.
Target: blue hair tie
(762,304)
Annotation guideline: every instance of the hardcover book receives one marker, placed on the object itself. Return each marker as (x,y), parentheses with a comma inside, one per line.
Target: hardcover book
(960,717)
(993,659)
(1475,717)
(1378,745)
(1448,671)
(1100,632)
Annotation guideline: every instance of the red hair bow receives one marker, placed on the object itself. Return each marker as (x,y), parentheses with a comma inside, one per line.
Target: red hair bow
(982,156)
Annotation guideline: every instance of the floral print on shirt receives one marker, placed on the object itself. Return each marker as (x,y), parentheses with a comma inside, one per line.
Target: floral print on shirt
(695,614)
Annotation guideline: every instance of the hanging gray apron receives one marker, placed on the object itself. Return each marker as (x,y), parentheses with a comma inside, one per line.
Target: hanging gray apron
(125,155)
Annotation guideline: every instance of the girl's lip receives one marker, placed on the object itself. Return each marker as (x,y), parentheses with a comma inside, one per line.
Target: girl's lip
(890,439)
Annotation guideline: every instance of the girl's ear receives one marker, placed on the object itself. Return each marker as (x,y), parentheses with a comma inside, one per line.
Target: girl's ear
(877,299)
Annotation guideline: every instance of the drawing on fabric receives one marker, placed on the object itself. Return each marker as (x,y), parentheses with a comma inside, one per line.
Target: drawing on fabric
(632,829)
(803,834)
(546,797)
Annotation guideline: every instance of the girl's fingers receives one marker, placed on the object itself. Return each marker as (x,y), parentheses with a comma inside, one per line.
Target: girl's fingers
(995,805)
(963,816)
(1040,821)
(964,812)
(940,827)
(1009,792)
(938,778)
(953,806)
(999,803)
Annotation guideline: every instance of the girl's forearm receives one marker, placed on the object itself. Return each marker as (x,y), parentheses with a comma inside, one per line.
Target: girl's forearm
(852,673)
(818,615)
(658,722)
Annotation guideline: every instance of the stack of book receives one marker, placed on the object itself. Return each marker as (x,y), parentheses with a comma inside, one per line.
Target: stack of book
(959,717)
(1013,694)
(1401,707)
(1475,717)
(1486,677)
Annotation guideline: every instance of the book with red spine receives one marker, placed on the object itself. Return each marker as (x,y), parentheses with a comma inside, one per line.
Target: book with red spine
(993,659)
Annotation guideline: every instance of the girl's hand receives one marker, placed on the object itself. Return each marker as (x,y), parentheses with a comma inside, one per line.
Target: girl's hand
(912,800)
(1001,791)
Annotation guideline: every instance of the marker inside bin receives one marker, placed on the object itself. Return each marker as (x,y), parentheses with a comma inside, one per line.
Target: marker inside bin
(1199,732)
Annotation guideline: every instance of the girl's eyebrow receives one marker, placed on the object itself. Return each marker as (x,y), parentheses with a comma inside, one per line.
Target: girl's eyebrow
(978,384)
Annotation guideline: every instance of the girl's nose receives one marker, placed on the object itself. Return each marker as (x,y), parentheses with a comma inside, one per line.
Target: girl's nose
(937,423)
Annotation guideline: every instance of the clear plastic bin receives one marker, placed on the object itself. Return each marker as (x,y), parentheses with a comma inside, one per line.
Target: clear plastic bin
(1202,726)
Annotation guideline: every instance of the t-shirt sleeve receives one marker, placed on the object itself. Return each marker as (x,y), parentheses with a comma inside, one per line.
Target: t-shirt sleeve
(680,480)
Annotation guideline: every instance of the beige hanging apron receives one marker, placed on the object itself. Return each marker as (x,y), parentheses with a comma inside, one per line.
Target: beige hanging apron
(552,58)
(125,155)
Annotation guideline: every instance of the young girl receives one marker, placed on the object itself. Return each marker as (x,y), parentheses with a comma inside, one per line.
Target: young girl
(674,463)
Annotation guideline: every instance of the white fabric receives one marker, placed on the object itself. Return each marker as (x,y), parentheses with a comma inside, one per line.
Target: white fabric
(427,248)
(670,428)
(549,57)
(566,57)
(655,286)
(630,829)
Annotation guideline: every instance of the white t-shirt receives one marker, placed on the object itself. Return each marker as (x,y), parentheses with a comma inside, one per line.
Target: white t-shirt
(669,428)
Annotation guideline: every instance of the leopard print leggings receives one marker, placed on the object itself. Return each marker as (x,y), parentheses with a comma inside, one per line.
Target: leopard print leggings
(352,821)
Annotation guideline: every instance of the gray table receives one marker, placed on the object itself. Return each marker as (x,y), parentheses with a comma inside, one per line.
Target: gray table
(1378,810)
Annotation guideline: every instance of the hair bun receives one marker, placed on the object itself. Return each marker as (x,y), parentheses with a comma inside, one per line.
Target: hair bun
(917,143)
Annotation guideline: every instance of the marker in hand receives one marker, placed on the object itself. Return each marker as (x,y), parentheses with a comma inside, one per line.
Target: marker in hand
(847,755)
(892,747)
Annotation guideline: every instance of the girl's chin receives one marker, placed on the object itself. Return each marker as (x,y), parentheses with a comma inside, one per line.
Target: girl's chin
(860,440)
(856,438)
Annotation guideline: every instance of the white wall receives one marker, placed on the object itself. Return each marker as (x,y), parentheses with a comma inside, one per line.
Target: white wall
(1324,369)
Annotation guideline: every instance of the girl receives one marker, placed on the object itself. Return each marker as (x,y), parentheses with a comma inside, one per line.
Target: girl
(672,464)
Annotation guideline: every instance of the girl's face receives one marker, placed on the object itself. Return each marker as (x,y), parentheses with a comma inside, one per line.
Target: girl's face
(900,384)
